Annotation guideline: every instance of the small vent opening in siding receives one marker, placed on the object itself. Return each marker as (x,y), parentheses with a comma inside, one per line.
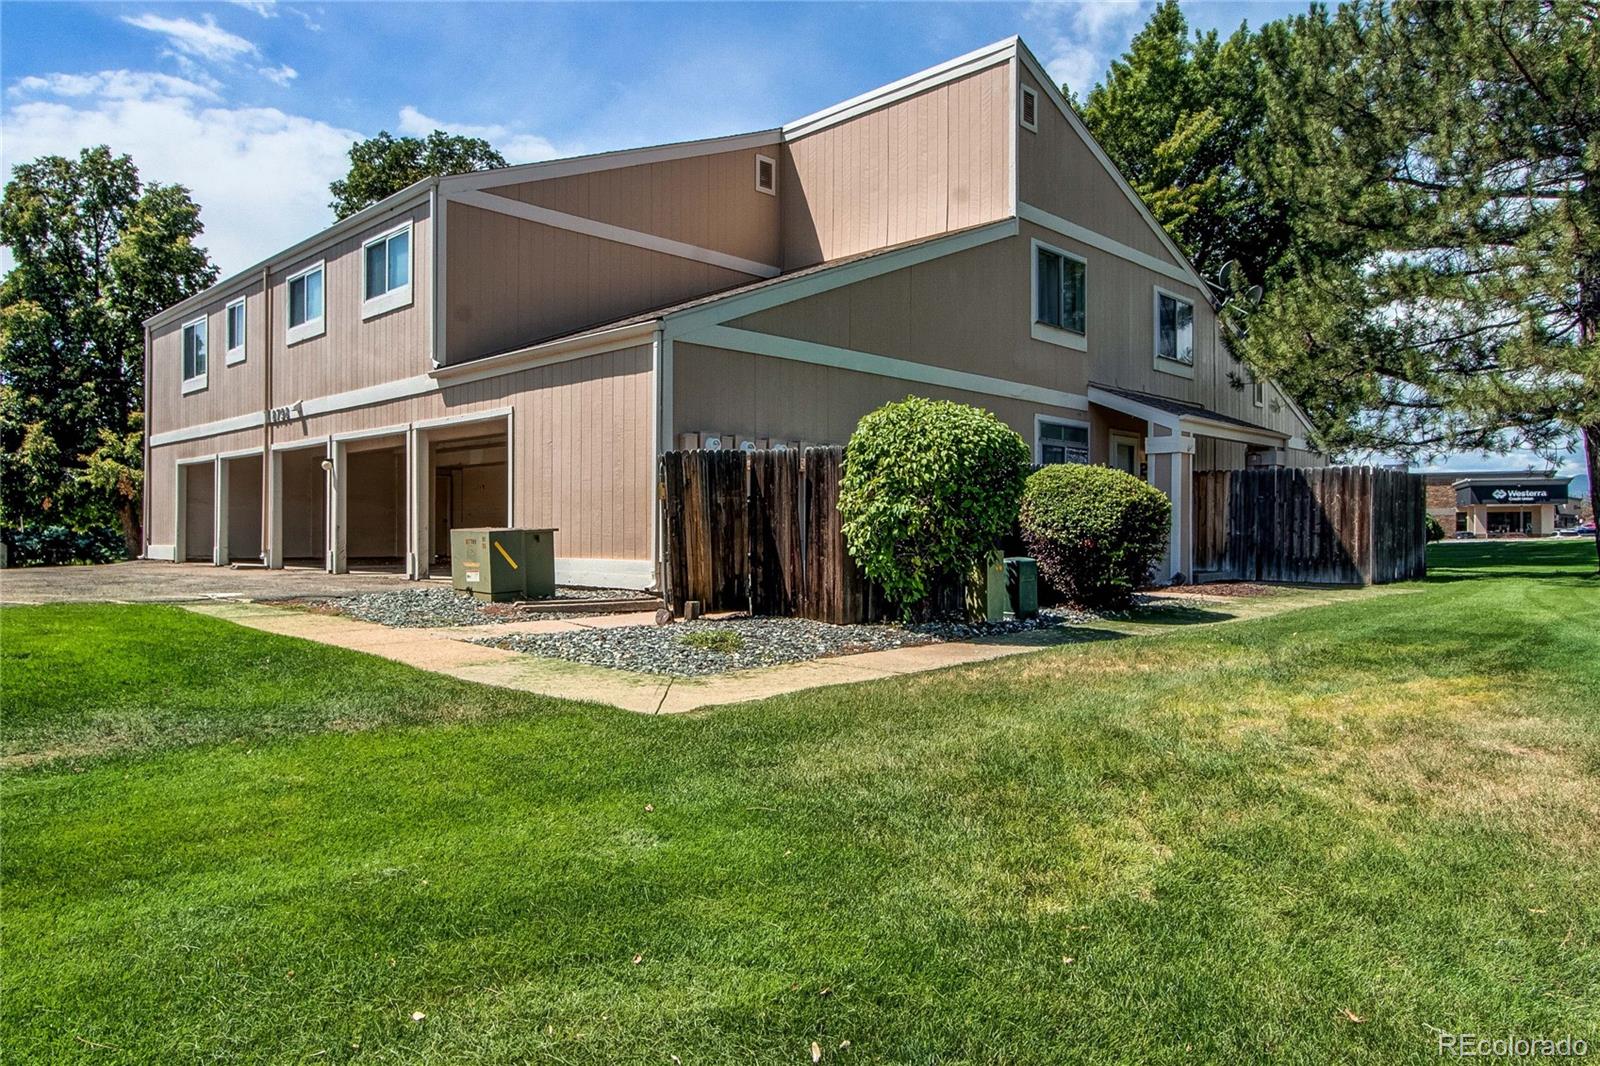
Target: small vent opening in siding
(1030,109)
(766,175)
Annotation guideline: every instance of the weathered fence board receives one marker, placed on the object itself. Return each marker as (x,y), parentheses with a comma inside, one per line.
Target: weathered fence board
(761,531)
(1345,525)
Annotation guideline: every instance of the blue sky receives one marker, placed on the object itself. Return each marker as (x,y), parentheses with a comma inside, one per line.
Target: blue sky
(252,105)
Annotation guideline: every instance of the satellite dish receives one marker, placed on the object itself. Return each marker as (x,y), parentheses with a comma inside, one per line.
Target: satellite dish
(1254,295)
(1229,269)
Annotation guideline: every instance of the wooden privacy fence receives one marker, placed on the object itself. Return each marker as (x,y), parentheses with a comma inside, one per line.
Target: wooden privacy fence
(1345,525)
(760,531)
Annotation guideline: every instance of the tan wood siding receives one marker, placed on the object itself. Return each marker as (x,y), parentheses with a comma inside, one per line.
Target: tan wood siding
(352,353)
(709,201)
(230,390)
(1057,171)
(512,282)
(581,453)
(927,164)
(754,395)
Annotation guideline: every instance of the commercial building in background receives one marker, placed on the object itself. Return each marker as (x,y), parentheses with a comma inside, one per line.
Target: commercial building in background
(518,346)
(1503,503)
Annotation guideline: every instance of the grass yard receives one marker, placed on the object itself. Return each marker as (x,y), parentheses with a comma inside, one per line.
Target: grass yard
(1311,838)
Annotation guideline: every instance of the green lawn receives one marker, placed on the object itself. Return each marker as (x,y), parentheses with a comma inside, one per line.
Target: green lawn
(1222,843)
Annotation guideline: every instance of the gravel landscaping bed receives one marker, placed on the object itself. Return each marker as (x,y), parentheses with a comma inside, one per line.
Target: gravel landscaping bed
(430,607)
(705,647)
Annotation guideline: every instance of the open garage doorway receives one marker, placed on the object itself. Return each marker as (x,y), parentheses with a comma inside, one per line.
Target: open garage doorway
(370,504)
(197,513)
(241,531)
(468,470)
(300,512)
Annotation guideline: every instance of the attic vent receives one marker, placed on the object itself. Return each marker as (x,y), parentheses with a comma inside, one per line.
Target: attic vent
(766,175)
(1030,109)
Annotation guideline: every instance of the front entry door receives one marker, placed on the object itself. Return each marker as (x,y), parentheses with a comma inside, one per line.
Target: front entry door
(1125,453)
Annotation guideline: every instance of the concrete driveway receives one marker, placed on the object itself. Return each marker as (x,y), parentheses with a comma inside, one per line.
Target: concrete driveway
(142,581)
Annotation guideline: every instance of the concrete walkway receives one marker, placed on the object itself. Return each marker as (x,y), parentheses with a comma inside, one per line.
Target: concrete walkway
(450,651)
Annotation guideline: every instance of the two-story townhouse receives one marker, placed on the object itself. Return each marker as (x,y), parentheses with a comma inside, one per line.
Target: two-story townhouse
(518,346)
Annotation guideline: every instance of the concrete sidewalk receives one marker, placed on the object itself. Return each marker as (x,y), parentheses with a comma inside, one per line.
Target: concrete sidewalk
(449,651)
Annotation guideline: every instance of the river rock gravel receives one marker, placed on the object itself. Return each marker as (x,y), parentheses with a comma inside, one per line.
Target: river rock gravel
(431,607)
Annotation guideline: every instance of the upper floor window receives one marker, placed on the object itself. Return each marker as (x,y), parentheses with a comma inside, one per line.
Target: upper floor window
(233,319)
(1059,297)
(1030,109)
(766,175)
(194,355)
(305,304)
(1174,329)
(1059,441)
(387,271)
(1258,394)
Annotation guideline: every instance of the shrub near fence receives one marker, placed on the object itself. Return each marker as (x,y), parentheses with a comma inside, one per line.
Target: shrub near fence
(760,531)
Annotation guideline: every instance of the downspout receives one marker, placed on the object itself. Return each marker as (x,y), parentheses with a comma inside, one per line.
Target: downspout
(266,416)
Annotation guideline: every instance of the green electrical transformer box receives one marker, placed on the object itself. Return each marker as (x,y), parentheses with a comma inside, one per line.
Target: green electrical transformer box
(1022,582)
(504,564)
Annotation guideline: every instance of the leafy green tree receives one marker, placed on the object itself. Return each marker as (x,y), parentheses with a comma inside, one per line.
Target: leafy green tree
(1441,289)
(1179,114)
(383,165)
(97,252)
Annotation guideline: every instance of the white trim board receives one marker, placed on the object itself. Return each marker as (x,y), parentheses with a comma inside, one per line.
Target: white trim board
(775,347)
(800,286)
(635,574)
(911,85)
(627,157)
(1083,235)
(604,231)
(165,553)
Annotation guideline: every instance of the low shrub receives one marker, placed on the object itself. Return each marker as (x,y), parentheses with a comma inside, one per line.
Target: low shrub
(1435,530)
(929,488)
(1096,532)
(61,545)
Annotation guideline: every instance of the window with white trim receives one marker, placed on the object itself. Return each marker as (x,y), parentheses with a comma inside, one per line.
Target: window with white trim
(1059,441)
(1258,394)
(1029,110)
(305,304)
(1059,283)
(1174,328)
(233,323)
(767,175)
(194,355)
(386,272)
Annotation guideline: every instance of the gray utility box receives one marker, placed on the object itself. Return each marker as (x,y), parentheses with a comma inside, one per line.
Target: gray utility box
(504,564)
(1022,584)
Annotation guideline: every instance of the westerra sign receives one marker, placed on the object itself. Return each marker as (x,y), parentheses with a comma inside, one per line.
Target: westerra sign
(1512,494)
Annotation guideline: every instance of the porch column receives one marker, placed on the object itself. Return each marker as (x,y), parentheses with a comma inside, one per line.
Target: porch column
(338,507)
(219,512)
(1171,459)
(419,512)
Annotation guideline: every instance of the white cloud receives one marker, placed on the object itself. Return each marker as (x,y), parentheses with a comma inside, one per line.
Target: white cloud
(267,9)
(260,175)
(516,147)
(280,76)
(1077,41)
(203,40)
(112,84)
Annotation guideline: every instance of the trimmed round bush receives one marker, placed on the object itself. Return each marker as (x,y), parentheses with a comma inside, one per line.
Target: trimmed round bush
(1097,533)
(1435,530)
(929,488)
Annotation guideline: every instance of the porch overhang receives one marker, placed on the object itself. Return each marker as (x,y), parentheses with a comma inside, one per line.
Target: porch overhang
(1180,418)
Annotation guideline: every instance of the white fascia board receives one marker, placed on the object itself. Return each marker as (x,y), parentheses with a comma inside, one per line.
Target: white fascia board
(1228,431)
(404,200)
(1083,235)
(236,424)
(596,343)
(1123,405)
(776,347)
(922,81)
(605,231)
(589,164)
(798,288)
(1053,94)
